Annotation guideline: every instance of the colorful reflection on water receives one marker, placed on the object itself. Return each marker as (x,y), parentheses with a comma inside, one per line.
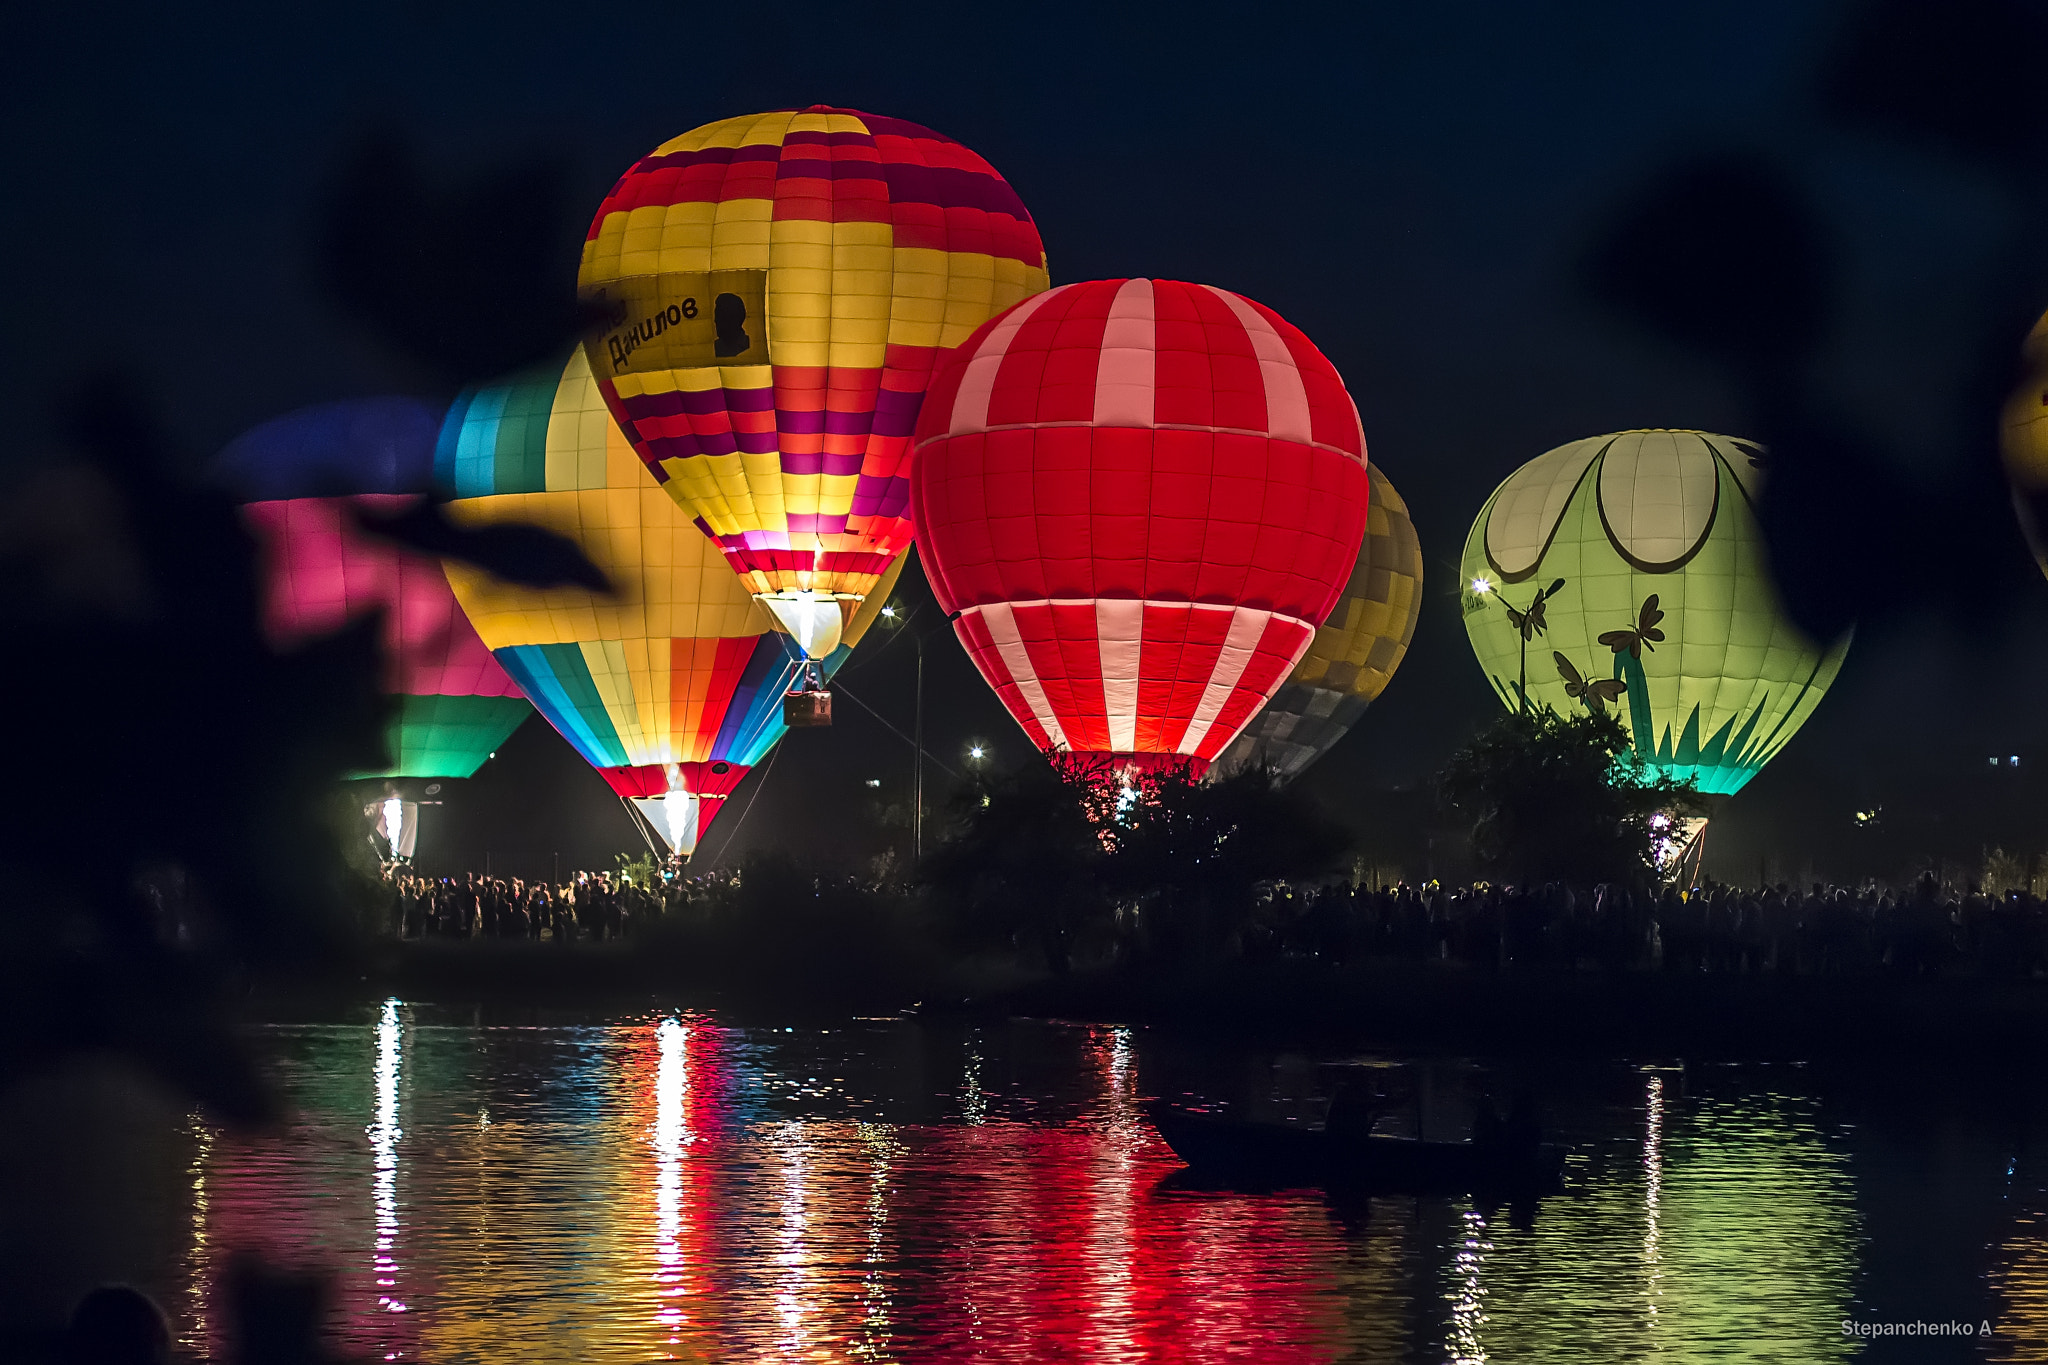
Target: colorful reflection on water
(669,1187)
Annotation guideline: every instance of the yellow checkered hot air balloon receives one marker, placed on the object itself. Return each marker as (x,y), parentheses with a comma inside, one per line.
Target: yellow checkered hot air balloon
(2025,441)
(774,291)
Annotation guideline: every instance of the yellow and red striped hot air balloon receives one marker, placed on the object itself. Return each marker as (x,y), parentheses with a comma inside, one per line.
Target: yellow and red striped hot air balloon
(775,290)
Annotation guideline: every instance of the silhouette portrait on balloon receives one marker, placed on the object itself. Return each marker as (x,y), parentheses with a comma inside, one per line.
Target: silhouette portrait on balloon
(729,314)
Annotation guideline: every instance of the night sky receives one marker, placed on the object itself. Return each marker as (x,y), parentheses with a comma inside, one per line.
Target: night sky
(1411,185)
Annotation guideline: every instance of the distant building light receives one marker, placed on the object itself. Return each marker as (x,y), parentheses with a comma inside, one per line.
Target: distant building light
(1993,762)
(874,782)
(2014,760)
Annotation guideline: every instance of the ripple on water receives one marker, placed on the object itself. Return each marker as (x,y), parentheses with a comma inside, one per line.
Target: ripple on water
(671,1188)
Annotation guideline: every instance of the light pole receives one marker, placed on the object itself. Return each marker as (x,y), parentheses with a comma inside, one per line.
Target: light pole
(917,760)
(1528,623)
(899,620)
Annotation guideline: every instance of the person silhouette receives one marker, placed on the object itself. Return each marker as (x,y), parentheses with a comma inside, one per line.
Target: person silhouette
(729,315)
(117,1325)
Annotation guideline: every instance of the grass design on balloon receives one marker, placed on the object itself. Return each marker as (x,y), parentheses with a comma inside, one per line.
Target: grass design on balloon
(1726,748)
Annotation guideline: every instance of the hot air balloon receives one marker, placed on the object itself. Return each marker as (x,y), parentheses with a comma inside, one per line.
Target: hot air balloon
(775,290)
(1353,657)
(1629,570)
(2025,442)
(672,686)
(1141,499)
(304,475)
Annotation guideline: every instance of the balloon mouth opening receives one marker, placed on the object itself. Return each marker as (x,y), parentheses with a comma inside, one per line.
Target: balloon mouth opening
(674,815)
(814,619)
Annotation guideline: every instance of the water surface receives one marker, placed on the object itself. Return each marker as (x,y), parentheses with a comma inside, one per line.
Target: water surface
(666,1185)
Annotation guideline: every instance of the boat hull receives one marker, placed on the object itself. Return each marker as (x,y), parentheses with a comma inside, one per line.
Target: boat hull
(1279,1155)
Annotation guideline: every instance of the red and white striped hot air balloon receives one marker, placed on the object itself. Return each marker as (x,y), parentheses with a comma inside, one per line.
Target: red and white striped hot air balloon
(1140,498)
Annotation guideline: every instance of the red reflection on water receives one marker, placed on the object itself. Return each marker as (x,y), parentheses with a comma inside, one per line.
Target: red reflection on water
(1077,1254)
(704,1239)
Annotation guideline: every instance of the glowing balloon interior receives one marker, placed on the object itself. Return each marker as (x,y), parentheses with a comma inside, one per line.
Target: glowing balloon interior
(1666,611)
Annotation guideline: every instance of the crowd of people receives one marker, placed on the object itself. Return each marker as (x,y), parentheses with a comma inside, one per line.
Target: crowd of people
(1925,930)
(588,906)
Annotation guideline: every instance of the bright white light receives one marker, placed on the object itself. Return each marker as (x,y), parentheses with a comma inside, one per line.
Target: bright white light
(812,619)
(889,612)
(679,813)
(874,782)
(674,817)
(976,752)
(671,1134)
(1481,585)
(384,1135)
(394,823)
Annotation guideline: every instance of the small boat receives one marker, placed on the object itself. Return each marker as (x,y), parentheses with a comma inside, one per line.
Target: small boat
(1280,1155)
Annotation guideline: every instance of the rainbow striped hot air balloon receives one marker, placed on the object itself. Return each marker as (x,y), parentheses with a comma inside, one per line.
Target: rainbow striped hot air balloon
(672,686)
(303,477)
(776,290)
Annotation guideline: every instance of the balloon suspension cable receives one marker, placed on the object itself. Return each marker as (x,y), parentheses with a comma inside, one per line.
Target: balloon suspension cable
(866,657)
(840,687)
(1696,852)
(733,833)
(656,847)
(1692,852)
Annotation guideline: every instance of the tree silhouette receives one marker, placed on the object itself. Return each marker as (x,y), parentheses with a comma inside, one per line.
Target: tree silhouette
(1560,798)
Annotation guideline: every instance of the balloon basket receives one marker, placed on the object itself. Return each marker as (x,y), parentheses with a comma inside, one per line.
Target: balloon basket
(807,710)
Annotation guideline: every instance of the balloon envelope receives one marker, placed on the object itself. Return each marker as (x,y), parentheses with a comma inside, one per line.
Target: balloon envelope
(1667,602)
(320,572)
(2024,441)
(1354,655)
(672,686)
(1141,499)
(776,289)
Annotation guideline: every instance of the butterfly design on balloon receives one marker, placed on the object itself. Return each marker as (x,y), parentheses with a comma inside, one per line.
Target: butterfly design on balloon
(1644,635)
(1594,692)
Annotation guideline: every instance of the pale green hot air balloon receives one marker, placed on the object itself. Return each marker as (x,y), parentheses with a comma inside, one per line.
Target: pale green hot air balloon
(1629,571)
